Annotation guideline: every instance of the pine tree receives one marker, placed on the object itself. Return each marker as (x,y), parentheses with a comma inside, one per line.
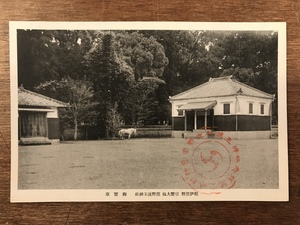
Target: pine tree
(111,77)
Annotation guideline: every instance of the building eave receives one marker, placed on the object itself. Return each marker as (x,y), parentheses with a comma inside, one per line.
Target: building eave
(35,110)
(220,96)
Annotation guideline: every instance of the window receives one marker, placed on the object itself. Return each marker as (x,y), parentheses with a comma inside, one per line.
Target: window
(180,112)
(250,108)
(262,109)
(226,108)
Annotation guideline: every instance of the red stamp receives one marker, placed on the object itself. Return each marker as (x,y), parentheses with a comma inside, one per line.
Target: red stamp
(210,163)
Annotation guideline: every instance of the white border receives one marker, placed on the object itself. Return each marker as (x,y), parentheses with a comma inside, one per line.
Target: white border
(280,194)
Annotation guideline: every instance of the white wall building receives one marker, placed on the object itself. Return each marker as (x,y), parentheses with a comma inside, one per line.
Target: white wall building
(223,104)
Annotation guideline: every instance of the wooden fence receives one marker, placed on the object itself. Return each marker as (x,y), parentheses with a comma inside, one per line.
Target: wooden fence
(89,133)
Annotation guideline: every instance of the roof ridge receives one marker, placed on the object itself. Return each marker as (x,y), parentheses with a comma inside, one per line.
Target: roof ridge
(220,78)
(252,88)
(231,83)
(43,96)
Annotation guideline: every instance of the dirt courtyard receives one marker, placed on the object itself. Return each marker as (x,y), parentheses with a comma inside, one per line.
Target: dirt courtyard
(134,164)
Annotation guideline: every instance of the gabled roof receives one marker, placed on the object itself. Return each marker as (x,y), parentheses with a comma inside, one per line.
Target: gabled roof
(29,98)
(221,87)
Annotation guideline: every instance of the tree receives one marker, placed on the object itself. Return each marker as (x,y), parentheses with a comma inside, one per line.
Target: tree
(189,63)
(79,94)
(110,75)
(141,107)
(144,54)
(247,76)
(45,55)
(118,64)
(32,54)
(114,120)
(255,52)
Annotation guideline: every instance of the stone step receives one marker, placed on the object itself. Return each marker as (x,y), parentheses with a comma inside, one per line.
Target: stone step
(193,134)
(35,141)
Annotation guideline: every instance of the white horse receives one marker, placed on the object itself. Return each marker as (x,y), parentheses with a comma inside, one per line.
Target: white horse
(130,131)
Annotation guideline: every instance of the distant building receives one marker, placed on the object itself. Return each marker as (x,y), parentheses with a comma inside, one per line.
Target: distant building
(223,104)
(38,118)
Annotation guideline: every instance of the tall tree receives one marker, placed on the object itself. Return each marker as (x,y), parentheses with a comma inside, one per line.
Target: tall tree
(144,54)
(189,64)
(110,75)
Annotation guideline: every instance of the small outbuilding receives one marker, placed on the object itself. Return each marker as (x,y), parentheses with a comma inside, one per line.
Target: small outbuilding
(38,118)
(222,104)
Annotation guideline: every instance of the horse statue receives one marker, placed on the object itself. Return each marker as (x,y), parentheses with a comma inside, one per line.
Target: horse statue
(129,132)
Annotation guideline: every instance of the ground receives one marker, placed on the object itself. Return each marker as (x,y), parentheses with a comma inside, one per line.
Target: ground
(134,164)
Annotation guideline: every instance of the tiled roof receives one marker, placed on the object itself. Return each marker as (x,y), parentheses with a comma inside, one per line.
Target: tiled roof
(29,98)
(221,87)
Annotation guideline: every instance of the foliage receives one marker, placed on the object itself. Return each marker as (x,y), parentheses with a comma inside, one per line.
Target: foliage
(186,66)
(114,120)
(143,54)
(79,94)
(131,74)
(252,51)
(45,55)
(141,105)
(242,74)
(110,75)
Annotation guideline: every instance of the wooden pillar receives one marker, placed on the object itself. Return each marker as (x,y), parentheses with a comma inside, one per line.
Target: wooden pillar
(47,131)
(236,122)
(19,125)
(185,121)
(195,120)
(271,115)
(172,126)
(236,114)
(205,119)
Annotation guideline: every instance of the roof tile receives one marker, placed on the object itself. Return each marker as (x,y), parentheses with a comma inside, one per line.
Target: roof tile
(29,98)
(221,87)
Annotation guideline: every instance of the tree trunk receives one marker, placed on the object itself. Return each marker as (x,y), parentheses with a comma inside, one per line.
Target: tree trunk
(75,129)
(106,133)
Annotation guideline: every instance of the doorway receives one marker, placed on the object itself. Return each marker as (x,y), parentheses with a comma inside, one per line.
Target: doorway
(33,124)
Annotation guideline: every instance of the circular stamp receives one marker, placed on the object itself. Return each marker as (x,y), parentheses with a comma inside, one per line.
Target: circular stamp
(210,161)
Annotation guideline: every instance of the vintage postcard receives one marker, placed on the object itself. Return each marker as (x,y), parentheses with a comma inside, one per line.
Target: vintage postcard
(148,111)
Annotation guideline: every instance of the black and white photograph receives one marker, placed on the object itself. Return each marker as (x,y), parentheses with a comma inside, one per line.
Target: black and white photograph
(148,111)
